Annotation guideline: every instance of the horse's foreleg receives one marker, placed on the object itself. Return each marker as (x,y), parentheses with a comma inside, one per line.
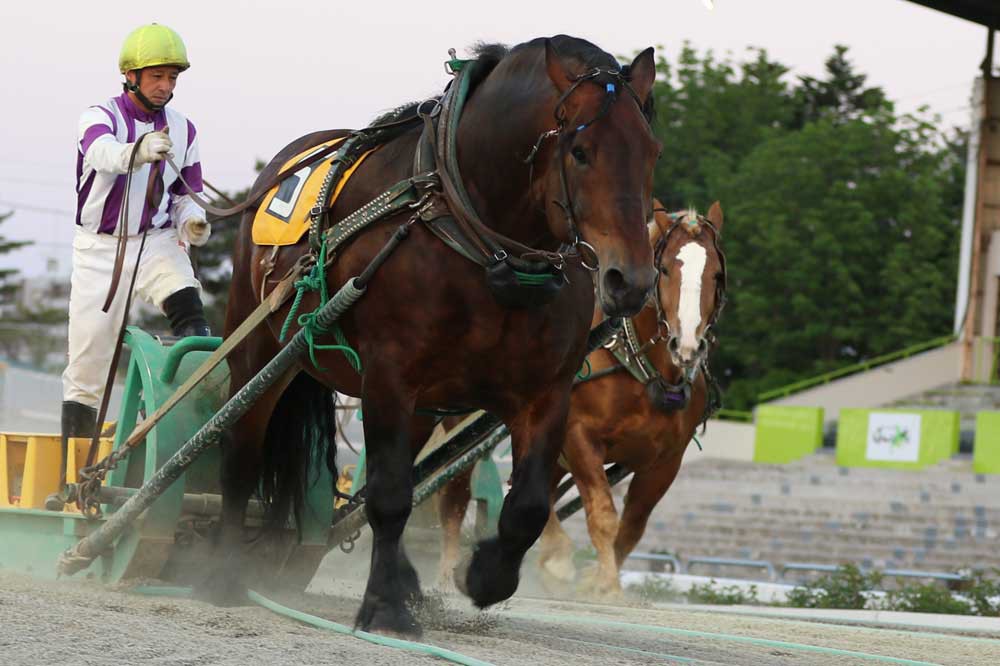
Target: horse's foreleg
(453,500)
(392,581)
(537,433)
(586,460)
(647,488)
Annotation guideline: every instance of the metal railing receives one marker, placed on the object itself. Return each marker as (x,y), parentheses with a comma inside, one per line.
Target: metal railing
(674,562)
(729,562)
(684,567)
(784,391)
(680,567)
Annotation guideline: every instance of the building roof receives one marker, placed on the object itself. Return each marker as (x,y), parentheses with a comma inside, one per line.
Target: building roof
(985,12)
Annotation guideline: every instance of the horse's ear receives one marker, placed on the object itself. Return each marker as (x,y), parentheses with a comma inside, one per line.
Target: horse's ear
(715,216)
(556,68)
(642,73)
(661,221)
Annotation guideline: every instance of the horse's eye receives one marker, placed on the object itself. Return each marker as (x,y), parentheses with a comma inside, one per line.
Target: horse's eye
(579,155)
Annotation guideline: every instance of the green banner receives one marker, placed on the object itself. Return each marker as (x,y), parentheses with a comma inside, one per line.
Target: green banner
(785,434)
(986,448)
(896,438)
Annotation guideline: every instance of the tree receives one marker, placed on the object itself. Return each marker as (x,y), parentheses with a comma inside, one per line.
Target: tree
(841,96)
(8,284)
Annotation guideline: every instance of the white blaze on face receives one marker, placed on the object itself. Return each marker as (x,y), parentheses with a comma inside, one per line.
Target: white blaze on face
(694,258)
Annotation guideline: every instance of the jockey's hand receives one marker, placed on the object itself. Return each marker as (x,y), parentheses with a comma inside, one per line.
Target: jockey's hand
(154,148)
(195,230)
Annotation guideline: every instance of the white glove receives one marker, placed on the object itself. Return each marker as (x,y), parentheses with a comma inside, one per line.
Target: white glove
(194,230)
(153,148)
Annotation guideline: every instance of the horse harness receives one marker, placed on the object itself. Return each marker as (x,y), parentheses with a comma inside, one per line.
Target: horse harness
(630,352)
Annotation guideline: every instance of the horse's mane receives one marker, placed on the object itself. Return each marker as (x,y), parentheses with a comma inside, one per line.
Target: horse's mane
(490,54)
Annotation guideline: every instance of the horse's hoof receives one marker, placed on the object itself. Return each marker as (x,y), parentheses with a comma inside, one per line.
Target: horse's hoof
(598,585)
(487,577)
(379,616)
(560,568)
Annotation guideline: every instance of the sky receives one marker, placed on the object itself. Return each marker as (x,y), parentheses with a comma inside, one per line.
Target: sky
(264,73)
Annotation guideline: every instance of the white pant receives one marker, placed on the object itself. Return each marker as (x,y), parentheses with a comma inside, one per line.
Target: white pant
(165,269)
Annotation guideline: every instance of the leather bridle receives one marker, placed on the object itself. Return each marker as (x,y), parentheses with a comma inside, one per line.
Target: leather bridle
(663,331)
(564,138)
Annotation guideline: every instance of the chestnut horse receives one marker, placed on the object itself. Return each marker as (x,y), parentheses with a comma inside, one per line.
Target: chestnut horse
(429,333)
(643,422)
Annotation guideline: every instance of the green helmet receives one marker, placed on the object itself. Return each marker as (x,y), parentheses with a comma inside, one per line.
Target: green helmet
(151,46)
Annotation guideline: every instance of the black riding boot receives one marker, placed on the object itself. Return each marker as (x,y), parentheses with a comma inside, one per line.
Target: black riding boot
(77,421)
(186,314)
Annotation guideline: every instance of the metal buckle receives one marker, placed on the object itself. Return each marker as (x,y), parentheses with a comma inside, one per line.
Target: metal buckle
(435,110)
(595,262)
(500,255)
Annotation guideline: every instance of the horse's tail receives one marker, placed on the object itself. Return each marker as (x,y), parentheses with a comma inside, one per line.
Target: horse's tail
(301,436)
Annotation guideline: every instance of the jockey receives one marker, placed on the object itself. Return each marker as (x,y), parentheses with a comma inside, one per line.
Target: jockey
(151,59)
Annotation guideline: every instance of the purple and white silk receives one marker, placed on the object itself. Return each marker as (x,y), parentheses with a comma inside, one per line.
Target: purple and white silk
(103,147)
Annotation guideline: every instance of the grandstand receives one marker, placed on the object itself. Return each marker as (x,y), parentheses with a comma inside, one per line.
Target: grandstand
(942,518)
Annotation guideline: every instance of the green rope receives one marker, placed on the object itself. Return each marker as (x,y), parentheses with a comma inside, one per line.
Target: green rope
(695,437)
(586,366)
(316,281)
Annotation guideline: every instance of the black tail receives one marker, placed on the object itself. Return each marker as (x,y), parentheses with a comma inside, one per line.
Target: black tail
(301,436)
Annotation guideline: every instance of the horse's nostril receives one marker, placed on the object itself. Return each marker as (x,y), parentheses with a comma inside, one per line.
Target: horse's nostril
(702,346)
(673,344)
(614,281)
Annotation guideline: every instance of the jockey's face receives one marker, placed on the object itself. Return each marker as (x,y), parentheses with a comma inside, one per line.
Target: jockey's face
(156,83)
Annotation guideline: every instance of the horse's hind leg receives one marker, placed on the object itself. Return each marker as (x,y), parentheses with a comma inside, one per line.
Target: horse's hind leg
(392,581)
(586,459)
(537,433)
(647,488)
(453,500)
(556,551)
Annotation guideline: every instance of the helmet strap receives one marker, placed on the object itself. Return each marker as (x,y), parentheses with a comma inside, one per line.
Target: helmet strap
(134,89)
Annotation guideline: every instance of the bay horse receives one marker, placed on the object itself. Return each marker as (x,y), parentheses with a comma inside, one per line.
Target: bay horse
(642,419)
(554,149)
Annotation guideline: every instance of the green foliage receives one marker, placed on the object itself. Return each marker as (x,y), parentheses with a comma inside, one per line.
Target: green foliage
(927,599)
(844,588)
(979,594)
(653,589)
(983,592)
(841,218)
(731,595)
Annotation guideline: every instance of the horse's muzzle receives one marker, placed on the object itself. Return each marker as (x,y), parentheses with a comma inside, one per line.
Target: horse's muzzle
(624,297)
